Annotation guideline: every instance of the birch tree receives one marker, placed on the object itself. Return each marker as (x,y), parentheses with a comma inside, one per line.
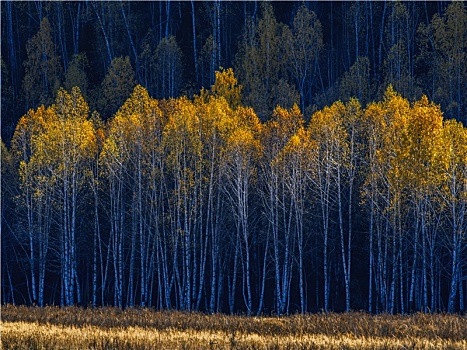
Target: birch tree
(276,202)
(295,155)
(373,124)
(182,146)
(67,146)
(116,86)
(36,193)
(303,45)
(43,69)
(326,176)
(242,151)
(454,197)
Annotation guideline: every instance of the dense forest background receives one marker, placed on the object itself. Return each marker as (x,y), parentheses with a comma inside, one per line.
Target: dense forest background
(137,171)
(334,51)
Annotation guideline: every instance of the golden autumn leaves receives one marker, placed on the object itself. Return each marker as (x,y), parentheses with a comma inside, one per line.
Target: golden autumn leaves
(407,145)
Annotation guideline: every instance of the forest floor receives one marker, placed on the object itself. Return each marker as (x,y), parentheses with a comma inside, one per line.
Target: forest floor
(135,328)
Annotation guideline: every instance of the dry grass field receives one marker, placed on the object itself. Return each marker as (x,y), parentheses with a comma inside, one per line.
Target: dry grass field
(110,328)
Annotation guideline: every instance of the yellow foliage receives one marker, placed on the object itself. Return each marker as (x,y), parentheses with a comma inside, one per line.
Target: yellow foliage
(226,86)
(247,118)
(287,122)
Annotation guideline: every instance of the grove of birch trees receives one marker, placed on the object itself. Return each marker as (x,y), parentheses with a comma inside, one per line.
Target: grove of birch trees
(331,176)
(196,204)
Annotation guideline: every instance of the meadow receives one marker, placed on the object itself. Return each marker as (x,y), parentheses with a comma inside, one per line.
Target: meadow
(110,328)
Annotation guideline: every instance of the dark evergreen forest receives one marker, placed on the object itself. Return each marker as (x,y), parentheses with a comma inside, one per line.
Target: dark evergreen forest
(235,156)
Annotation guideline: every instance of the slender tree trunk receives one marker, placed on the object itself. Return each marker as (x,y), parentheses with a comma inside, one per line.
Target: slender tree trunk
(342,241)
(104,33)
(424,263)
(96,237)
(133,48)
(32,245)
(11,47)
(263,279)
(130,294)
(233,284)
(401,262)
(414,265)
(167,18)
(371,257)
(195,53)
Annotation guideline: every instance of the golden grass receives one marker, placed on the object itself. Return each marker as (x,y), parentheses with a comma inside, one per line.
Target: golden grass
(109,328)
